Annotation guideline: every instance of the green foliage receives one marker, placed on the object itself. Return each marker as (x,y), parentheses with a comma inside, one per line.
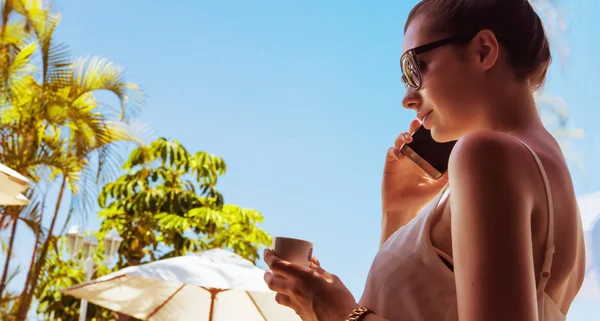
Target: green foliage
(52,128)
(54,131)
(60,273)
(9,299)
(167,205)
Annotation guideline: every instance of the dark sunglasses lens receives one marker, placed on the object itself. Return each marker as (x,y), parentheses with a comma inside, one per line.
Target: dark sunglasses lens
(410,71)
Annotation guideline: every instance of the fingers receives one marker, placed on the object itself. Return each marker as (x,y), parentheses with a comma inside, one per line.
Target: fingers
(283,300)
(316,265)
(414,125)
(393,153)
(287,301)
(279,284)
(284,268)
(315,261)
(405,137)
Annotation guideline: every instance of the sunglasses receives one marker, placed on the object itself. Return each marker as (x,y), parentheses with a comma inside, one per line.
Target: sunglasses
(411,74)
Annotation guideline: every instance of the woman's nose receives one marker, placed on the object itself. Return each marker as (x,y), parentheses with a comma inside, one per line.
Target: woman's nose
(412,99)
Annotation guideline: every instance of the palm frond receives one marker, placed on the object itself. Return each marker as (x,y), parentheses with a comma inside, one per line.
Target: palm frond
(7,8)
(36,227)
(58,65)
(31,214)
(95,73)
(83,202)
(22,60)
(14,35)
(55,57)
(38,15)
(12,275)
(15,58)
(110,159)
(19,68)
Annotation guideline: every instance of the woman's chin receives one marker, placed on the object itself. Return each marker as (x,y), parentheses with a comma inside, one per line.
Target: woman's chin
(440,135)
(439,132)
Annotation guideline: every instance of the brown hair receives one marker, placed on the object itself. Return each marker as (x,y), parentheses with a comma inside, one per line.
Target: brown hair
(516,25)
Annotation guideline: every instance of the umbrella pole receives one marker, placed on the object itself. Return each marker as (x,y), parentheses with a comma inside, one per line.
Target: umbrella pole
(213,297)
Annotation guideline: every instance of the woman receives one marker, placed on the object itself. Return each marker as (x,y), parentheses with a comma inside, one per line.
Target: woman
(499,238)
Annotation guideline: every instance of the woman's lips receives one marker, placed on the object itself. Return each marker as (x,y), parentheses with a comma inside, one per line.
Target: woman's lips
(423,115)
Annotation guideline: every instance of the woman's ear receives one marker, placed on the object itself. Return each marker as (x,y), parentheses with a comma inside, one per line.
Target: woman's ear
(486,46)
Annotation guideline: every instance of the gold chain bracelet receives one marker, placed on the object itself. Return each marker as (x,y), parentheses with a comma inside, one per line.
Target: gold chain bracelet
(358,313)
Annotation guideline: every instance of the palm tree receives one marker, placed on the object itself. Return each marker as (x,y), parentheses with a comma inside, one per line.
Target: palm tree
(30,219)
(52,127)
(21,147)
(7,302)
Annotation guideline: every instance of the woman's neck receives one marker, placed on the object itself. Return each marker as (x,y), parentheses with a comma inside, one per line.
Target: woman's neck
(511,111)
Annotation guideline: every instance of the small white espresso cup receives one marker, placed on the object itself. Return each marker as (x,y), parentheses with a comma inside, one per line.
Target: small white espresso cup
(293,250)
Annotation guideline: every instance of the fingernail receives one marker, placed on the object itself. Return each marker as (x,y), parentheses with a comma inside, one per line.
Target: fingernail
(407,135)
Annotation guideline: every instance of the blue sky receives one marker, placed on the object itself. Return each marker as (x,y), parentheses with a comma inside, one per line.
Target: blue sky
(301,99)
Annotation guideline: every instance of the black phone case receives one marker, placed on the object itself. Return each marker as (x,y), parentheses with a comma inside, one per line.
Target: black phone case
(434,153)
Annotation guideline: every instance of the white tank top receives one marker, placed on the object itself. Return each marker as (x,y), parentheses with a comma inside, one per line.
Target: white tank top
(408,281)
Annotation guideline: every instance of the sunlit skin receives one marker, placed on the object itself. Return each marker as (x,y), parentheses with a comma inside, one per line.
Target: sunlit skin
(497,195)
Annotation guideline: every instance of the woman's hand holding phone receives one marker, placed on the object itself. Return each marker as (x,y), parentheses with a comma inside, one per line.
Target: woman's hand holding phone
(405,189)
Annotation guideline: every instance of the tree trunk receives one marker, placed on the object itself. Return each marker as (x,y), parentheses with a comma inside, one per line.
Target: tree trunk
(13,232)
(4,216)
(31,264)
(29,289)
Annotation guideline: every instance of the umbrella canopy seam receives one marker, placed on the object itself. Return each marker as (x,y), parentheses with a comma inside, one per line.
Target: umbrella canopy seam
(165,302)
(256,305)
(92,283)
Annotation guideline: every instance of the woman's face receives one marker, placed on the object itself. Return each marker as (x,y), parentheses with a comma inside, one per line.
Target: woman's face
(450,87)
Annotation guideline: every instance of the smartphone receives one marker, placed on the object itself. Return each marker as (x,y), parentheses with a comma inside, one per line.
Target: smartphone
(432,157)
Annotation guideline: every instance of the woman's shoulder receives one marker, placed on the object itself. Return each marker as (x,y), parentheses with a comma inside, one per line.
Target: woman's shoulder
(491,156)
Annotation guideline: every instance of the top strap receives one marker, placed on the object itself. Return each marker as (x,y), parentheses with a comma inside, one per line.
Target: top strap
(546,266)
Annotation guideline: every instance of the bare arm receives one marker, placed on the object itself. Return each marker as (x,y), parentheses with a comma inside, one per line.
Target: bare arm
(491,228)
(373,317)
(405,189)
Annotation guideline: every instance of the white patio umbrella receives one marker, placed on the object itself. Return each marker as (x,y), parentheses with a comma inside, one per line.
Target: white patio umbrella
(215,285)
(12,184)
(20,199)
(589,208)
